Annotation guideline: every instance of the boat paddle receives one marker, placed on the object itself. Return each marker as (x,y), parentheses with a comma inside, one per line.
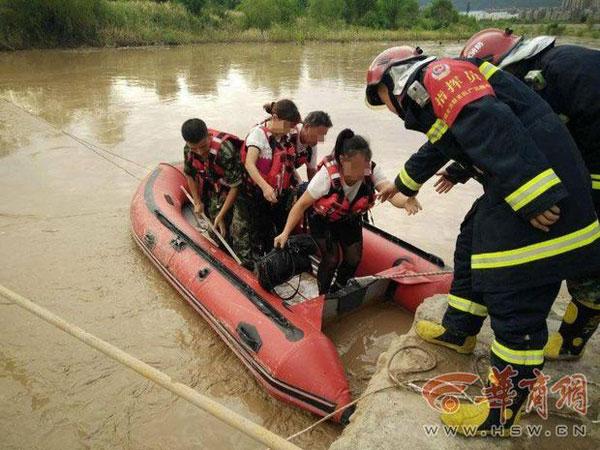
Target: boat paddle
(212,228)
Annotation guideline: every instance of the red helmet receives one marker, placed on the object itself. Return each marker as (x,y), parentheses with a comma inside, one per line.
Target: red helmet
(393,56)
(491,42)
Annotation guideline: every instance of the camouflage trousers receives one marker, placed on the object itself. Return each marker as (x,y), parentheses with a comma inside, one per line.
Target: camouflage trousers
(211,208)
(255,224)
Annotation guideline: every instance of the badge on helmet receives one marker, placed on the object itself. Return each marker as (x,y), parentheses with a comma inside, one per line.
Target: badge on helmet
(440,71)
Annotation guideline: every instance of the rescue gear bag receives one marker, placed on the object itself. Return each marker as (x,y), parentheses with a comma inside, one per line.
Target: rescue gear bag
(280,265)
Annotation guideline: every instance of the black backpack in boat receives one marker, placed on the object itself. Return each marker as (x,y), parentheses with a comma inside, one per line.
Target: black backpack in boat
(280,265)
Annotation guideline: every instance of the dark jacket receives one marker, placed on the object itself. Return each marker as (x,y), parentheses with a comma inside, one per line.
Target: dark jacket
(571,86)
(526,161)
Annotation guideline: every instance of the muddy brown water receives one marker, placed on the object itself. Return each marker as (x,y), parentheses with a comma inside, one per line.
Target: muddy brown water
(65,240)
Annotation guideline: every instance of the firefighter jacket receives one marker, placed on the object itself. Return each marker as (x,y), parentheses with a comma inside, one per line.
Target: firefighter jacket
(568,78)
(498,128)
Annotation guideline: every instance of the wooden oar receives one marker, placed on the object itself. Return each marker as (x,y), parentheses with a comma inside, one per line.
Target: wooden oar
(212,228)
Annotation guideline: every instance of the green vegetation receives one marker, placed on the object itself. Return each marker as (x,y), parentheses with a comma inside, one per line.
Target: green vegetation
(72,23)
(442,14)
(41,23)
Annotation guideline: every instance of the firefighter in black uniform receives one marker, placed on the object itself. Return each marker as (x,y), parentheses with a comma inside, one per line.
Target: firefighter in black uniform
(533,225)
(568,78)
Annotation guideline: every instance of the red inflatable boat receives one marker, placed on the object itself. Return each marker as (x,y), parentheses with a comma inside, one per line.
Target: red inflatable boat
(280,342)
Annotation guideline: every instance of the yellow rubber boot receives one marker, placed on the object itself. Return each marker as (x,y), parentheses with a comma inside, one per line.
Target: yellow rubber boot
(437,334)
(578,325)
(468,418)
(554,349)
(479,419)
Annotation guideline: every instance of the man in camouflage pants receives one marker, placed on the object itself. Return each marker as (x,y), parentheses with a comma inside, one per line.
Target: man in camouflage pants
(213,172)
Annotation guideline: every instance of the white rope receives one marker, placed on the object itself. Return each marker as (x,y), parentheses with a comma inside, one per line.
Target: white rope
(90,146)
(212,407)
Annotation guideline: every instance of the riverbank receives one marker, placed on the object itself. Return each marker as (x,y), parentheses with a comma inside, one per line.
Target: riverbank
(305,32)
(137,23)
(124,37)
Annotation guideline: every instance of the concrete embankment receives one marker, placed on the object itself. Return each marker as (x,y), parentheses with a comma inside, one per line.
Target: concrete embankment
(397,417)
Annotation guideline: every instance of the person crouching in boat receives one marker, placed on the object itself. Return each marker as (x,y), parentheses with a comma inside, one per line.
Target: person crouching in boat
(212,170)
(307,135)
(343,189)
(266,196)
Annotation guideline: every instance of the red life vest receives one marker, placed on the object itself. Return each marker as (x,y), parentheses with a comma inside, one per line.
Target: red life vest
(209,174)
(280,175)
(304,155)
(335,205)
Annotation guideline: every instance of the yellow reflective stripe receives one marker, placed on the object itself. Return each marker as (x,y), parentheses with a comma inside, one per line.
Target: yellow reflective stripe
(408,181)
(487,69)
(541,250)
(437,130)
(467,306)
(532,189)
(595,181)
(521,357)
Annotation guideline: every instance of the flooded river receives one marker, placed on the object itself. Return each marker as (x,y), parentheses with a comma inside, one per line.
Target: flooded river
(65,239)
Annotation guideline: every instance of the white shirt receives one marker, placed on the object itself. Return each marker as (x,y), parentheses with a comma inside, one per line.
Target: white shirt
(257,138)
(321,183)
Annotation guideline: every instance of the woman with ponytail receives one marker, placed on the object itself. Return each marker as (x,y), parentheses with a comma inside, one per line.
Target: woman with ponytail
(336,199)
(266,196)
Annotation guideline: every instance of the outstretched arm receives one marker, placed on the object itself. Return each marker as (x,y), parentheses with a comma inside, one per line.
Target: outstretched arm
(399,200)
(294,218)
(421,166)
(196,195)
